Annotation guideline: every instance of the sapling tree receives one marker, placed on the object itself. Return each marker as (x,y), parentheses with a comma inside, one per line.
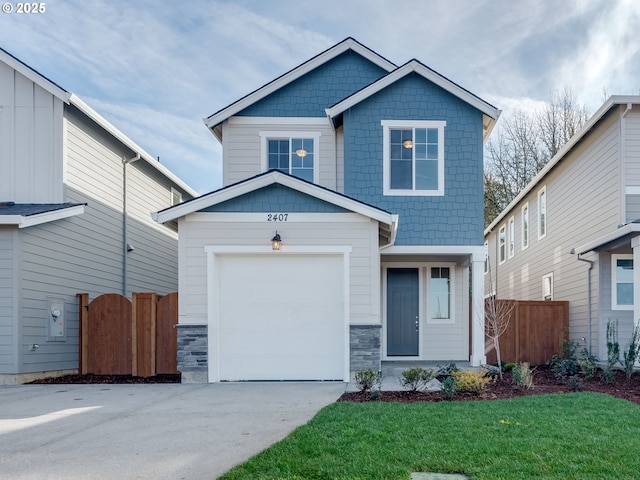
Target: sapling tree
(497,315)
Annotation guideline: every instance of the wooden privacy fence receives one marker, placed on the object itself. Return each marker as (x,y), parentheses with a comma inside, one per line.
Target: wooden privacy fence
(135,337)
(535,332)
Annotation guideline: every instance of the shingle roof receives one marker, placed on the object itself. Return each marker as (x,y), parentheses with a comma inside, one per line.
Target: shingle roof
(28,209)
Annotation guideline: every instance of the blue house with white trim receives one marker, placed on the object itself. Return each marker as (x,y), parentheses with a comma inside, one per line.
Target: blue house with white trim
(348,232)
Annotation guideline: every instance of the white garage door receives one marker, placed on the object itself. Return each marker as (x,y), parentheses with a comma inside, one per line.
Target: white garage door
(281,317)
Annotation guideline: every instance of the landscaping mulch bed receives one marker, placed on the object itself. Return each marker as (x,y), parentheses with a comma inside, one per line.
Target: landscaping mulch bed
(544,382)
(89,378)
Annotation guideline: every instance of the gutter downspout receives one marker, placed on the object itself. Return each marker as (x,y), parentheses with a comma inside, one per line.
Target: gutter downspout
(590,262)
(125,222)
(623,153)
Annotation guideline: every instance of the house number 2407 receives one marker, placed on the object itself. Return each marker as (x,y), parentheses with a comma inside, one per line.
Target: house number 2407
(277,217)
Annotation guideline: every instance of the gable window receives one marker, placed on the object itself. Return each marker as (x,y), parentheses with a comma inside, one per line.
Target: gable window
(413,157)
(525,226)
(176,197)
(502,243)
(542,212)
(295,153)
(512,237)
(621,282)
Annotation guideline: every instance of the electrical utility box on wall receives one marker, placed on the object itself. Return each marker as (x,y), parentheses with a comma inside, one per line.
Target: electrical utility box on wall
(55,319)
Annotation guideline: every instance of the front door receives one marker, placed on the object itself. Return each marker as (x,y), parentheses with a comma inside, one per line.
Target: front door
(402,312)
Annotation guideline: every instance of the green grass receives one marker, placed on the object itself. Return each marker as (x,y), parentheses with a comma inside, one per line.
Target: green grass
(565,436)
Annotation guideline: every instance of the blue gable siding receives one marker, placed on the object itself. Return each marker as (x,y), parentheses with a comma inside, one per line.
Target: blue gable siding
(453,219)
(275,198)
(309,95)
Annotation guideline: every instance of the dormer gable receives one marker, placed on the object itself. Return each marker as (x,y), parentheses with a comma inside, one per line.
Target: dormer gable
(368,65)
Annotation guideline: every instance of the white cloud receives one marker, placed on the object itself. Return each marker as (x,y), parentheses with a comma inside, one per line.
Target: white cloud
(156,68)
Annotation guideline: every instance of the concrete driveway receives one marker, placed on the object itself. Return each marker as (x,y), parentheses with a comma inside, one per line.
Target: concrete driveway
(164,431)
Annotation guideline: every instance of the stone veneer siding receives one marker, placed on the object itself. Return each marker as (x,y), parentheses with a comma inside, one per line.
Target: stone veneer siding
(193,357)
(193,361)
(365,348)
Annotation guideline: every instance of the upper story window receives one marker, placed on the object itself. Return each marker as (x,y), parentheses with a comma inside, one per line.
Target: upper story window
(525,226)
(502,243)
(295,153)
(542,212)
(512,237)
(413,157)
(622,282)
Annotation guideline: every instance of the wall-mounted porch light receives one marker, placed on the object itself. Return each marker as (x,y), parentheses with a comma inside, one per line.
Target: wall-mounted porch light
(276,242)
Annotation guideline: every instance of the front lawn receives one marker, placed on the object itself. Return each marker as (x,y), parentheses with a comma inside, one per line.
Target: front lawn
(562,436)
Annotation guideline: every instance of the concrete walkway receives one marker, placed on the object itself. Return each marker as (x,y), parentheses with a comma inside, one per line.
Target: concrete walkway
(163,431)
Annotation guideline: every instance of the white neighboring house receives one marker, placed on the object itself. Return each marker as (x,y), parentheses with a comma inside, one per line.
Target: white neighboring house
(75,199)
(574,234)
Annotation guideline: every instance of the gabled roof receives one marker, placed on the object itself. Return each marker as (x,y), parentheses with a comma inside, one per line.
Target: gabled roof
(613,102)
(490,113)
(276,177)
(72,99)
(29,214)
(35,76)
(320,59)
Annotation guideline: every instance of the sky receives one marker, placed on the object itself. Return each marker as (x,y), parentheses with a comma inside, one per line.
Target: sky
(156,68)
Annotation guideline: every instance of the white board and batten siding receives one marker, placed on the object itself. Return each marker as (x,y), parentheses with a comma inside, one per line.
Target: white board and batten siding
(242,148)
(30,140)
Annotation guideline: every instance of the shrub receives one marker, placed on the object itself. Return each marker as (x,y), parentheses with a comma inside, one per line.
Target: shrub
(492,371)
(470,381)
(613,352)
(368,380)
(566,364)
(574,382)
(447,369)
(588,364)
(417,378)
(630,354)
(523,376)
(449,388)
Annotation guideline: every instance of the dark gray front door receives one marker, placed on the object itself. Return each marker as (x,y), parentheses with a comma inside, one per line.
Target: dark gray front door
(402,312)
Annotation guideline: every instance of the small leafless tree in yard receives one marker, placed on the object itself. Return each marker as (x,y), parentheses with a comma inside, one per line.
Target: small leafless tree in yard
(497,315)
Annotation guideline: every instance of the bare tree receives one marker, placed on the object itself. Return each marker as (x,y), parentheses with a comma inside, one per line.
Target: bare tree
(524,145)
(497,315)
(559,120)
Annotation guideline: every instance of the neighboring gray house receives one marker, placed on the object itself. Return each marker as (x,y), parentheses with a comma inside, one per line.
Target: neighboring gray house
(573,232)
(370,174)
(75,202)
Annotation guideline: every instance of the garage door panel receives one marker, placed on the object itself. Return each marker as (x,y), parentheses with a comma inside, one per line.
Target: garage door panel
(281,317)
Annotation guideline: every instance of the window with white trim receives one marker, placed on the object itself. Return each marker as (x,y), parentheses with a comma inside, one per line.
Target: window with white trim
(439,290)
(547,286)
(502,243)
(622,282)
(413,157)
(525,226)
(542,212)
(295,153)
(486,257)
(512,237)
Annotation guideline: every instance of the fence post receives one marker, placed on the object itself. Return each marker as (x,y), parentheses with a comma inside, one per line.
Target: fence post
(83,325)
